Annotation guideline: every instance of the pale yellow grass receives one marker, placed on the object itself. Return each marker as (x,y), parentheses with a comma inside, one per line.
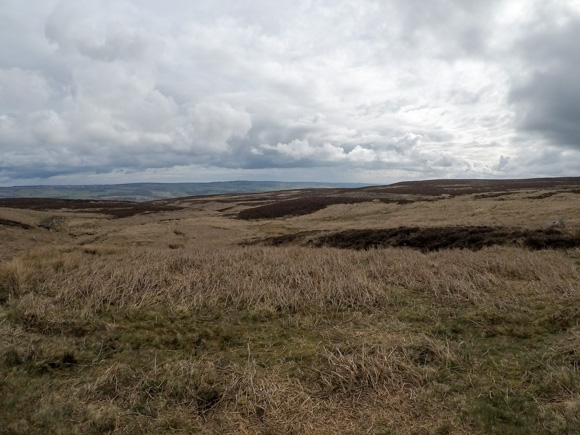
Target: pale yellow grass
(512,211)
(293,279)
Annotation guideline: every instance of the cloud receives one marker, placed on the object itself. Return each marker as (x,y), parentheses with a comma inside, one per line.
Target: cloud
(83,27)
(502,163)
(23,90)
(213,124)
(303,150)
(360,154)
(404,89)
(548,100)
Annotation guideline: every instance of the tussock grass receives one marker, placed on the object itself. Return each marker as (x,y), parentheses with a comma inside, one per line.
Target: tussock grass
(294,279)
(397,368)
(290,340)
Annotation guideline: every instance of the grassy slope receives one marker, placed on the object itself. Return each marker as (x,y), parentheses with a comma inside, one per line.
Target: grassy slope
(148,324)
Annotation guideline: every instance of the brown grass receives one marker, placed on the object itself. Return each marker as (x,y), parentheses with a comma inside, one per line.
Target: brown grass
(290,279)
(386,335)
(163,323)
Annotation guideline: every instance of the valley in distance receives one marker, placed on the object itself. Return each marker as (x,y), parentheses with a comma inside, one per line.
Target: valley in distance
(151,191)
(441,306)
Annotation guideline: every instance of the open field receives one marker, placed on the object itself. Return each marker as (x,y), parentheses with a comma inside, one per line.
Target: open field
(431,307)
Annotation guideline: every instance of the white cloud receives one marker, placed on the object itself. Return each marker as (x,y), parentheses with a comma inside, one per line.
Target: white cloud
(362,155)
(22,90)
(212,124)
(92,30)
(407,87)
(302,149)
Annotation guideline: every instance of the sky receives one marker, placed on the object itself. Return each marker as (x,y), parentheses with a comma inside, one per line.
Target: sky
(116,91)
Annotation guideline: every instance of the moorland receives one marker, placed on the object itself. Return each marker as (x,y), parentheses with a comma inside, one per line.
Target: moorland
(152,191)
(445,306)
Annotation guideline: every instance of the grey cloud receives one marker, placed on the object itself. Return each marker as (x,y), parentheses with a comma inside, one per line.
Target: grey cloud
(548,161)
(549,104)
(121,44)
(450,28)
(75,25)
(548,101)
(23,90)
(502,163)
(411,87)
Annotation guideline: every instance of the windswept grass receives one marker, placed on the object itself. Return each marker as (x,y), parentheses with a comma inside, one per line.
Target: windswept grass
(290,340)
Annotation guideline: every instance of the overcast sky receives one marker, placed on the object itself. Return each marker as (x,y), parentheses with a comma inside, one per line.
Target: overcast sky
(364,91)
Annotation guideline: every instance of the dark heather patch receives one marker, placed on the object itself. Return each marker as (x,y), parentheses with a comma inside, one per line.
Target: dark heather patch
(432,239)
(307,205)
(295,207)
(118,209)
(9,223)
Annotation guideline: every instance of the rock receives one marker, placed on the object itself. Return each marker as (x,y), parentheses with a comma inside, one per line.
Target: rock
(559,223)
(54,223)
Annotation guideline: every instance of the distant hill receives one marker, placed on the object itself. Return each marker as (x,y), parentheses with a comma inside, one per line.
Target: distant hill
(152,191)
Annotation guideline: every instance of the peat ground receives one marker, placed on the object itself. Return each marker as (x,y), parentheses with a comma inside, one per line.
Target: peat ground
(11,223)
(430,238)
(303,206)
(118,209)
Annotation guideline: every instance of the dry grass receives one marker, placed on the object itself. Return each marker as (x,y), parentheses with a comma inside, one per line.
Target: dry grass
(291,339)
(162,323)
(515,210)
(292,279)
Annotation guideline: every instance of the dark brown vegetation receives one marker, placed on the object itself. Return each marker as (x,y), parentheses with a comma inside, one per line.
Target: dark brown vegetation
(430,238)
(11,223)
(468,187)
(118,209)
(306,205)
(296,207)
